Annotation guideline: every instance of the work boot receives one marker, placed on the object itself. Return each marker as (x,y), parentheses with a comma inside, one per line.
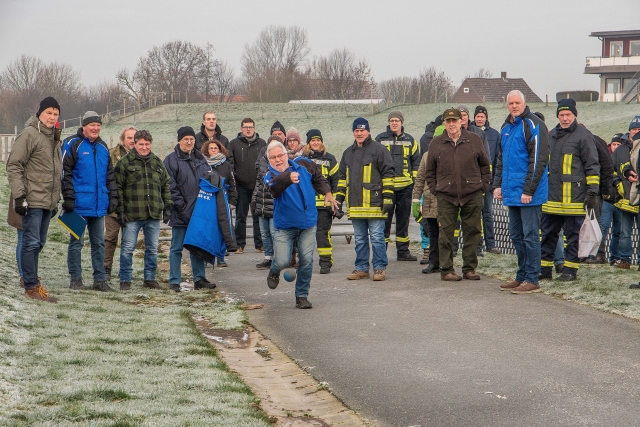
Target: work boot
(407,257)
(175,287)
(325,270)
(101,285)
(151,284)
(379,274)
(511,285)
(204,284)
(125,286)
(76,284)
(471,275)
(450,277)
(559,268)
(425,256)
(566,277)
(222,263)
(546,273)
(266,263)
(357,275)
(526,288)
(273,279)
(494,251)
(622,264)
(303,302)
(39,292)
(107,273)
(430,268)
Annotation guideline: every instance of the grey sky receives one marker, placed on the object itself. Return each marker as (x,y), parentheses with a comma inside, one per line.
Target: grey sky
(545,41)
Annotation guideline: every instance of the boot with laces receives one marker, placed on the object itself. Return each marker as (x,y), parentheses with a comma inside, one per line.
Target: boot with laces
(39,292)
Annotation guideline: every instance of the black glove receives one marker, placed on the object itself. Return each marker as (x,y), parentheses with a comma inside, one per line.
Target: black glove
(166,215)
(122,219)
(68,205)
(591,202)
(339,213)
(113,205)
(387,207)
(21,206)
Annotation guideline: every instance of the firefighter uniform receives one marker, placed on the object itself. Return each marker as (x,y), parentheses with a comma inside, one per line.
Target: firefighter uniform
(328,164)
(405,153)
(574,174)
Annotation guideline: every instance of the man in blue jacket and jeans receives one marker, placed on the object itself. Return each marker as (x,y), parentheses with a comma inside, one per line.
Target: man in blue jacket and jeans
(293,185)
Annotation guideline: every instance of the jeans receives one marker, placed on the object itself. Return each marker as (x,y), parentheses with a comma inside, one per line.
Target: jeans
(35,225)
(558,257)
(487,221)
(151,231)
(363,230)
(95,228)
(626,227)
(19,250)
(175,258)
(305,240)
(524,226)
(242,210)
(266,231)
(610,214)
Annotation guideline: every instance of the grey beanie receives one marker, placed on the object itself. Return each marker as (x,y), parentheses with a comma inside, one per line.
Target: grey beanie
(91,117)
(462,108)
(396,114)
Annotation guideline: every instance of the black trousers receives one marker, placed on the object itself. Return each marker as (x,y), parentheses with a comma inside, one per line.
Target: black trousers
(242,210)
(430,229)
(323,237)
(551,226)
(402,210)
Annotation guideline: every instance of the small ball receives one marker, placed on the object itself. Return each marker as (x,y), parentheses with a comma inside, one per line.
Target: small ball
(290,275)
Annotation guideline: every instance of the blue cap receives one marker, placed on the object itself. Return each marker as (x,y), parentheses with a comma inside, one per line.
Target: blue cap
(635,123)
(360,123)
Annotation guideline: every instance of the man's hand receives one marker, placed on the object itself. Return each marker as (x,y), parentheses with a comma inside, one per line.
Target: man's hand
(295,177)
(20,206)
(166,215)
(497,193)
(329,200)
(525,199)
(387,207)
(122,219)
(633,177)
(68,205)
(113,205)
(252,206)
(415,208)
(591,202)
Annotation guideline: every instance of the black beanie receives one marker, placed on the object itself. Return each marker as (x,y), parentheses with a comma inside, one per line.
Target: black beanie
(481,109)
(567,104)
(278,126)
(314,133)
(618,138)
(49,101)
(185,131)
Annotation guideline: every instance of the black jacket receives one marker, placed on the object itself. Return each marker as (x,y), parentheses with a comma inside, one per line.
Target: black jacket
(405,154)
(201,137)
(243,156)
(426,138)
(261,195)
(606,167)
(225,170)
(328,166)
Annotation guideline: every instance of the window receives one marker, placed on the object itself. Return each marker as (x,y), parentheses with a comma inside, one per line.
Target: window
(615,49)
(466,90)
(613,86)
(634,48)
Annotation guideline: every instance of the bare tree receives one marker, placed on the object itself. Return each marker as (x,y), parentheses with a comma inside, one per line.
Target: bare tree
(431,86)
(224,84)
(208,72)
(340,76)
(484,73)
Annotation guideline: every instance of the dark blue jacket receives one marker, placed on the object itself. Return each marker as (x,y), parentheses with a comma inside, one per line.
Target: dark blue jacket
(493,140)
(185,171)
(87,175)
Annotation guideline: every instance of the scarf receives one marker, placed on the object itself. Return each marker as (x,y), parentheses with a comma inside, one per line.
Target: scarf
(216,160)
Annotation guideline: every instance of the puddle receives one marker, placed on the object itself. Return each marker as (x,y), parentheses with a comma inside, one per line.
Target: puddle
(227,338)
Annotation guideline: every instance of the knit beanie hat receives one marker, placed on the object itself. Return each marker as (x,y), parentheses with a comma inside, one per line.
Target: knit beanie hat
(185,131)
(462,108)
(293,134)
(617,138)
(91,117)
(314,133)
(277,126)
(397,115)
(635,123)
(49,101)
(567,104)
(360,123)
(481,109)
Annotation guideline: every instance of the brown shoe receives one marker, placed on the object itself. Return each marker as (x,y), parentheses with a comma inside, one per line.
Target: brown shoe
(526,288)
(357,275)
(471,275)
(622,264)
(40,293)
(451,277)
(151,284)
(379,275)
(511,285)
(240,250)
(559,268)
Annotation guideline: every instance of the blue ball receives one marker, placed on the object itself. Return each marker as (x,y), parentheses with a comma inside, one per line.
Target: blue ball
(290,275)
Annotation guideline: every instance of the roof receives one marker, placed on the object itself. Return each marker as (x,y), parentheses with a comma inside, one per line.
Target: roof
(620,32)
(492,90)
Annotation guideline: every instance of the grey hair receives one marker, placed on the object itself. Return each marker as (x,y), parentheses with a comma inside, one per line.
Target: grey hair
(126,128)
(273,145)
(516,92)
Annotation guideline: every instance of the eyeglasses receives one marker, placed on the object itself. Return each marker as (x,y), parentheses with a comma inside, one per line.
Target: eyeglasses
(292,140)
(248,127)
(394,121)
(277,156)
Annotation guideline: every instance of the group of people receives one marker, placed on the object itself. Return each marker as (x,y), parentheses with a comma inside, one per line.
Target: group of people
(294,190)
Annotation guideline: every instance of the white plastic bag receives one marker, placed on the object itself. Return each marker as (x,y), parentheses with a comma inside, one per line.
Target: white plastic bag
(590,236)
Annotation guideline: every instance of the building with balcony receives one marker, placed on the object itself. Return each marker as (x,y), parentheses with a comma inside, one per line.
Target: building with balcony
(618,65)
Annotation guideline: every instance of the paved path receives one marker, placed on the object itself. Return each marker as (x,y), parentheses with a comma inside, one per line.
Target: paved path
(416,351)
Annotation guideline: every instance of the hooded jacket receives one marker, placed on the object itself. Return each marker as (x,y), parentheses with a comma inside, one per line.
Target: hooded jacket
(243,156)
(201,137)
(34,166)
(405,154)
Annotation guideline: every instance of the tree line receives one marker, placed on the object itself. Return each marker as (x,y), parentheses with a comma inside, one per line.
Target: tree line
(276,67)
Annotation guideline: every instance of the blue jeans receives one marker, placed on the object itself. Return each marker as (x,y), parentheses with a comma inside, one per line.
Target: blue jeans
(95,228)
(19,250)
(266,231)
(487,221)
(558,257)
(611,213)
(524,228)
(363,230)
(151,230)
(175,258)
(626,227)
(305,240)
(35,225)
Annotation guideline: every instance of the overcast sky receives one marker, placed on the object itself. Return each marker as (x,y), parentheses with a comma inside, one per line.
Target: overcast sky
(544,41)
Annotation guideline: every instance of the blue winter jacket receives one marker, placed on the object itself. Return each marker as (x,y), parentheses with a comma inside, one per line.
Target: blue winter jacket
(295,204)
(522,158)
(87,175)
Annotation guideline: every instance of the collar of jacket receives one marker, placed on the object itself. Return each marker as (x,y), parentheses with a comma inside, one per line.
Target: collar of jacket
(464,136)
(244,139)
(42,128)
(485,127)
(293,166)
(216,132)
(390,132)
(364,143)
(563,131)
(524,114)
(194,155)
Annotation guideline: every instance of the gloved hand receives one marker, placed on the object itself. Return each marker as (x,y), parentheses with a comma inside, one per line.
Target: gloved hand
(591,201)
(122,219)
(387,207)
(113,205)
(339,212)
(166,215)
(415,208)
(68,205)
(20,206)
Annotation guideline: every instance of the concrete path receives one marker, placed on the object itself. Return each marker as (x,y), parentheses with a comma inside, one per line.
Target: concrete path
(416,351)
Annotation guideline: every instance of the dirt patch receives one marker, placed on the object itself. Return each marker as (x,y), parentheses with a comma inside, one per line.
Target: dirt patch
(289,395)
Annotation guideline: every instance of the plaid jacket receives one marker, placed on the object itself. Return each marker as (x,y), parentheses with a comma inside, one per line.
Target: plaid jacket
(143,187)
